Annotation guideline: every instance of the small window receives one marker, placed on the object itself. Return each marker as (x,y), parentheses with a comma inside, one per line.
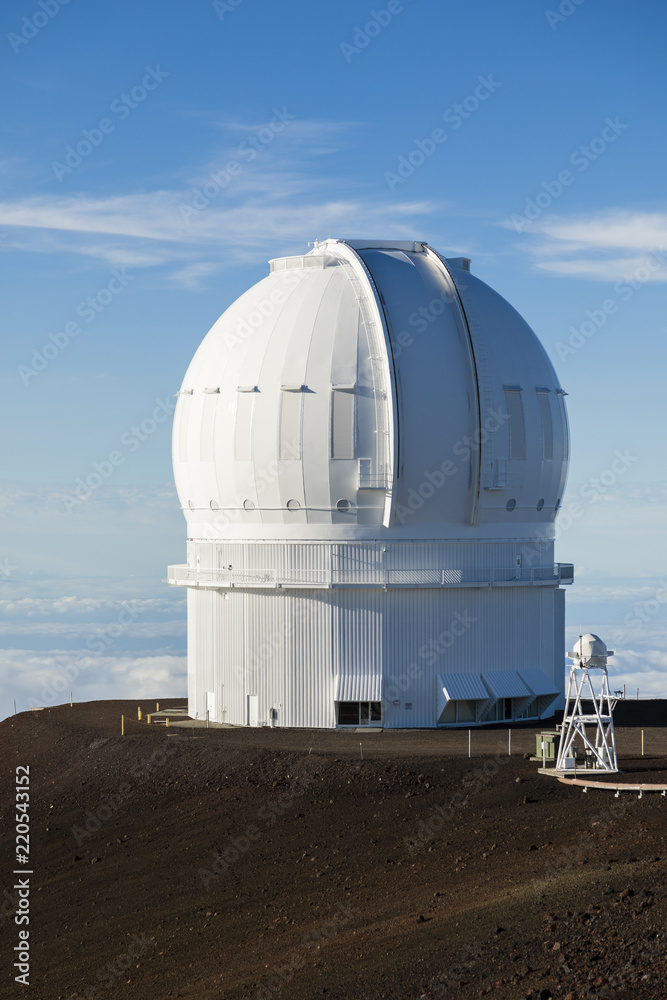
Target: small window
(243,426)
(359,713)
(348,713)
(458,711)
(342,424)
(517,423)
(565,431)
(208,426)
(544,400)
(290,425)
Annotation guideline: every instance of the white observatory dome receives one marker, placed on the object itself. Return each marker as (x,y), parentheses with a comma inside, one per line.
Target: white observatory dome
(351,388)
(368,423)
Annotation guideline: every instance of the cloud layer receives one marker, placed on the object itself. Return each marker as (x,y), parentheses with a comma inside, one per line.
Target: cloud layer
(608,246)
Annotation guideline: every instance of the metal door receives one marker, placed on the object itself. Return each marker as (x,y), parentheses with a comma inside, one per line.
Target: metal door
(253,710)
(210,705)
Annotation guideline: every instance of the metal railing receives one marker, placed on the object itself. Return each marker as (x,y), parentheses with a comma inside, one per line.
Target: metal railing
(189,576)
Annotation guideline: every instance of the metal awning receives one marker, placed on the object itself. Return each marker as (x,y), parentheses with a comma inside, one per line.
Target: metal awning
(506,684)
(538,682)
(357,687)
(542,687)
(463,687)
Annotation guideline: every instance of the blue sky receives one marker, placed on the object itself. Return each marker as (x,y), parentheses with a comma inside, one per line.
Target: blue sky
(155,156)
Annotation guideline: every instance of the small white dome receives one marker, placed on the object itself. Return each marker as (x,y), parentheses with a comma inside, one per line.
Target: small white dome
(590,647)
(375,388)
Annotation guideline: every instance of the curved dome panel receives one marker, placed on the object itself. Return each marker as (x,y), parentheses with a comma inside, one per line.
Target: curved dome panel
(370,390)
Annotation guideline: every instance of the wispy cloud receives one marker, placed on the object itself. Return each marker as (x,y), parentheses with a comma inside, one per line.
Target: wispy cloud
(72,607)
(604,246)
(260,190)
(156,216)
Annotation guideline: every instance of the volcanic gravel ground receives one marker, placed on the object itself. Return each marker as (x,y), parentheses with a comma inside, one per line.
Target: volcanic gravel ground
(280,864)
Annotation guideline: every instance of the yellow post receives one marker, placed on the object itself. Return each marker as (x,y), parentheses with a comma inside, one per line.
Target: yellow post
(70,700)
(148,719)
(167,722)
(157,706)
(642,742)
(139,712)
(122,725)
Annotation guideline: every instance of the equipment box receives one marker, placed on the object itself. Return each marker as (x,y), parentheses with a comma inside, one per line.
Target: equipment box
(551,741)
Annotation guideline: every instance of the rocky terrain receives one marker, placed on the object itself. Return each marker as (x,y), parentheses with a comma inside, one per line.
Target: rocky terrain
(237,863)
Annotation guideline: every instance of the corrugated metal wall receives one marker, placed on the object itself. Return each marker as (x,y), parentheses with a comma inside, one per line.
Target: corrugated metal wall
(365,562)
(288,647)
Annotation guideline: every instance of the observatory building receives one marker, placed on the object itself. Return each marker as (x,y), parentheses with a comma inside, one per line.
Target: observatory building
(370,449)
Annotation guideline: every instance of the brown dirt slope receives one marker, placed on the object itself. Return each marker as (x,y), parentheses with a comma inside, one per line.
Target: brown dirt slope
(271,864)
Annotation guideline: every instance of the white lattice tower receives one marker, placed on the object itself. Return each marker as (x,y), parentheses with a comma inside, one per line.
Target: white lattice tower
(590,654)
